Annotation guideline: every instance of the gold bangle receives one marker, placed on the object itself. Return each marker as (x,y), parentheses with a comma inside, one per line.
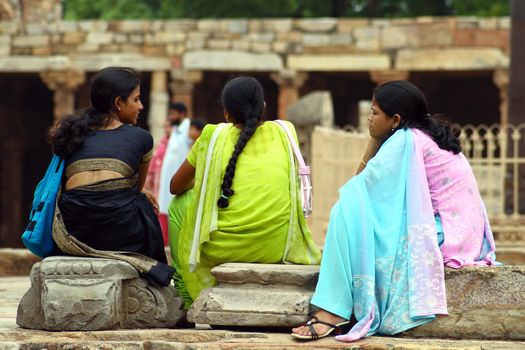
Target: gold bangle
(362,161)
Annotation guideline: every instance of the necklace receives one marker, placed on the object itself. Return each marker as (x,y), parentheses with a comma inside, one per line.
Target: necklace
(111,124)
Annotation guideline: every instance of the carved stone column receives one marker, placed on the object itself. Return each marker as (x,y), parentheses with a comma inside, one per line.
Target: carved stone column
(501,80)
(90,294)
(380,77)
(181,86)
(289,83)
(63,83)
(159,99)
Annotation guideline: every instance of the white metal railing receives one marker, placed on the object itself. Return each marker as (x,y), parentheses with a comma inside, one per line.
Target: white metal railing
(496,154)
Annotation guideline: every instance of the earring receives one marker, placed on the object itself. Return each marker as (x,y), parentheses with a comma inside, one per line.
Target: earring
(394,127)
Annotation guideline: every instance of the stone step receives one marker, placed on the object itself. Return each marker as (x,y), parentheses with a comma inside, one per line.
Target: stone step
(180,339)
(483,302)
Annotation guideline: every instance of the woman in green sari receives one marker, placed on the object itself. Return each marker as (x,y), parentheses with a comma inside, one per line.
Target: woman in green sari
(237,195)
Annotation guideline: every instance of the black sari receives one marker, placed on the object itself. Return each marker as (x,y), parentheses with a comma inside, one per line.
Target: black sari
(111,219)
(118,220)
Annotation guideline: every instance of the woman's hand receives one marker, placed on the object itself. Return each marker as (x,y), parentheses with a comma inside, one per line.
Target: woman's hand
(371,149)
(151,198)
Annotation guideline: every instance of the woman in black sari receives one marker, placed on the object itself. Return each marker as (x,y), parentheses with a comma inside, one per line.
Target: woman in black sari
(103,210)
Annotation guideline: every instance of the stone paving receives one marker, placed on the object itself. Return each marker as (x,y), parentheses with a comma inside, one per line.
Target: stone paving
(12,337)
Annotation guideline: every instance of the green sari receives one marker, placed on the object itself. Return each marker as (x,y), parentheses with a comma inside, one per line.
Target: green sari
(263,223)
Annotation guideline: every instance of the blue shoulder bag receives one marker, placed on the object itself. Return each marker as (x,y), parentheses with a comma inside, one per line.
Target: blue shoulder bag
(38,236)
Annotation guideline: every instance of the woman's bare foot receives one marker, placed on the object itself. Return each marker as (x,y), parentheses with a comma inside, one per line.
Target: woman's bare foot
(321,315)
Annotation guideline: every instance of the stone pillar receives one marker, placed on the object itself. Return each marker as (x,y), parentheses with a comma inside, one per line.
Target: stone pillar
(501,80)
(181,86)
(364,111)
(159,99)
(63,83)
(289,83)
(380,77)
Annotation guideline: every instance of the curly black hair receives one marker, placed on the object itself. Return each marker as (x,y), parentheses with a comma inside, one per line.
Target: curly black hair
(106,86)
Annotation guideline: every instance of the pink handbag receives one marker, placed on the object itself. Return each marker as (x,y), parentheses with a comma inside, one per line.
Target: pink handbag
(304,171)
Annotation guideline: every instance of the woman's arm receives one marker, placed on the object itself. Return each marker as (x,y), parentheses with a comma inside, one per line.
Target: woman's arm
(183,179)
(143,174)
(371,150)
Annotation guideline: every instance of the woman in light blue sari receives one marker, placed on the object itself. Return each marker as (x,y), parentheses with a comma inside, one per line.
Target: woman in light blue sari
(385,251)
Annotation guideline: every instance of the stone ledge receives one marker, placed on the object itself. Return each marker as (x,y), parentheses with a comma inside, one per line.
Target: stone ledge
(483,302)
(236,273)
(16,262)
(231,61)
(339,62)
(164,339)
(451,59)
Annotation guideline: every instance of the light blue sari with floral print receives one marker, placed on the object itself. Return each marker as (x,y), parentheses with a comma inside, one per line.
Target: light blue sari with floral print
(381,260)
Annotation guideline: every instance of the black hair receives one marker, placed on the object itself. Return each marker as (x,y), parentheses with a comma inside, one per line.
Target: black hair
(198,123)
(179,106)
(106,85)
(243,99)
(404,98)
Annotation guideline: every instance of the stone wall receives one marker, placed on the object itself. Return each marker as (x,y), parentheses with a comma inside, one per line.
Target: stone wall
(325,44)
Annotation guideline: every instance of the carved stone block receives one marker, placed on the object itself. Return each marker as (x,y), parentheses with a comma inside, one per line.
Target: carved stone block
(256,295)
(74,293)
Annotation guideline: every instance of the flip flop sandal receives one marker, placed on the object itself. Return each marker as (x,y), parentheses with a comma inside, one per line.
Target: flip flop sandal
(339,328)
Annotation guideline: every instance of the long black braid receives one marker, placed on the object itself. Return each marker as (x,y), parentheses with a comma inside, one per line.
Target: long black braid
(243,99)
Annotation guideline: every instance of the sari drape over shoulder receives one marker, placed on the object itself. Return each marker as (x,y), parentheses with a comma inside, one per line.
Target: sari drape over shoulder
(456,200)
(382,262)
(263,223)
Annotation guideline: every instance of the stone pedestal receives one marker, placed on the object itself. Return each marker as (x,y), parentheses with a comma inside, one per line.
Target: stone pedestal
(483,302)
(87,294)
(256,295)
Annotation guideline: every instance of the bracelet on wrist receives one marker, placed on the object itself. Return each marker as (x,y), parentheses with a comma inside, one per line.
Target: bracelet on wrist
(362,161)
